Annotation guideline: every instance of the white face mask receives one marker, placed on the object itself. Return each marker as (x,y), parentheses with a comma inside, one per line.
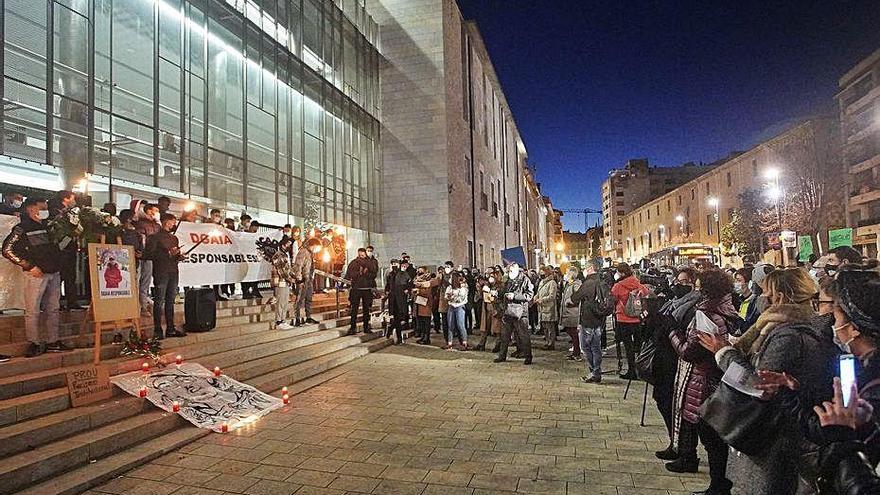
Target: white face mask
(44,214)
(447,270)
(738,287)
(514,272)
(491,280)
(16,203)
(370,254)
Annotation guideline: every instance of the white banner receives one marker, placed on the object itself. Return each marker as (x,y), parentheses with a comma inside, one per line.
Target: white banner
(216,255)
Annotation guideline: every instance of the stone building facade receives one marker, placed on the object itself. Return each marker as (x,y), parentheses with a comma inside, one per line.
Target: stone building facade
(454,165)
(632,186)
(687,213)
(859,103)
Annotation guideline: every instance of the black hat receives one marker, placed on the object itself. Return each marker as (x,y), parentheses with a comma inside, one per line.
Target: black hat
(859,297)
(395,260)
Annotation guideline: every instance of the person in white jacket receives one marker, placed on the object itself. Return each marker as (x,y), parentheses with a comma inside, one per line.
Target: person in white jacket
(456,298)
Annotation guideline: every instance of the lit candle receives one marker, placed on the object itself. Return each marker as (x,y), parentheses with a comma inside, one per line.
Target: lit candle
(175,406)
(224,428)
(143,392)
(178,359)
(283,390)
(285,398)
(145,367)
(216,371)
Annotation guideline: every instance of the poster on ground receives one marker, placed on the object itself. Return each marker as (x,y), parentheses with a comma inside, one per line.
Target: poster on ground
(840,237)
(113,278)
(205,400)
(216,255)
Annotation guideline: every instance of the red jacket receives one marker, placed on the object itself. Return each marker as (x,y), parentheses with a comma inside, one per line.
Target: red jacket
(621,291)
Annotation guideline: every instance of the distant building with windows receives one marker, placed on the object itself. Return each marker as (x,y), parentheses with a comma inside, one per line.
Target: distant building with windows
(859,103)
(632,186)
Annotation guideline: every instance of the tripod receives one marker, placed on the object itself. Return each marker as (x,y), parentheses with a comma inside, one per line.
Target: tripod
(644,399)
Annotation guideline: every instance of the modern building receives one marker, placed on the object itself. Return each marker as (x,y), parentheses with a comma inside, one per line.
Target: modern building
(453,163)
(632,186)
(694,211)
(272,108)
(859,102)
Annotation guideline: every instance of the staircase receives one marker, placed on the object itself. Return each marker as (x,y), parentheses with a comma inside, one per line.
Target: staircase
(47,447)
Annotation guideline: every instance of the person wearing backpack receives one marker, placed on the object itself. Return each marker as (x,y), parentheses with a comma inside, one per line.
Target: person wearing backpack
(627,292)
(594,299)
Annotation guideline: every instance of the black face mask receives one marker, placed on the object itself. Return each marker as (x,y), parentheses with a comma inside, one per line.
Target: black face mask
(681,290)
(831,269)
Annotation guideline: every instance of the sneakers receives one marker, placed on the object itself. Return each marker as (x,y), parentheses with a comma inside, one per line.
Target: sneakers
(58,346)
(34,349)
(595,379)
(4,358)
(283,325)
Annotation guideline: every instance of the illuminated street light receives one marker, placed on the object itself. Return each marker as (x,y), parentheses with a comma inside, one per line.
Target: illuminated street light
(560,246)
(772,173)
(774,194)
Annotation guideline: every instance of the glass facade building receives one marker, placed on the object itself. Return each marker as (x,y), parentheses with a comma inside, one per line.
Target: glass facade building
(263,106)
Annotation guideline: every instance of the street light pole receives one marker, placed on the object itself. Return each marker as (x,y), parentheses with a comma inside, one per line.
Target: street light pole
(715,203)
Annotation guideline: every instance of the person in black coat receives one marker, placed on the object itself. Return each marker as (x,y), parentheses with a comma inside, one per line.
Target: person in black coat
(362,273)
(397,285)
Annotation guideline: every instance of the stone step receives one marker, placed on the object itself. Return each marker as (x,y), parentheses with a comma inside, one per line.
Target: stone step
(25,469)
(65,464)
(52,418)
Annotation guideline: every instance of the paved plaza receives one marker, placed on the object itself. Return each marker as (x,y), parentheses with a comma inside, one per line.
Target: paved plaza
(416,420)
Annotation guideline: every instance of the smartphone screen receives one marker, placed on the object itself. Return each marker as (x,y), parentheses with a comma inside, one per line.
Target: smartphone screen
(847,376)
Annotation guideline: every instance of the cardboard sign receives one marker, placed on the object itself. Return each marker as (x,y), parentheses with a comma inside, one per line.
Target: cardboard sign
(840,237)
(788,238)
(88,384)
(114,282)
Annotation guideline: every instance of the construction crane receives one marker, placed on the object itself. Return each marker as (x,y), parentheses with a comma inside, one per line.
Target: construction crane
(585,212)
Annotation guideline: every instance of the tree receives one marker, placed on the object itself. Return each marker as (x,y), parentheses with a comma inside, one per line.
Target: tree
(748,222)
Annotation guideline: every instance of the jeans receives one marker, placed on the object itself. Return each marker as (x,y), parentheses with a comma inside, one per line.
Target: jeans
(145,279)
(42,295)
(360,298)
(303,299)
(282,294)
(520,328)
(163,303)
(591,348)
(455,317)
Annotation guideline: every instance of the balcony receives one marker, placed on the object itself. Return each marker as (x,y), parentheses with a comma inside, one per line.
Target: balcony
(865,194)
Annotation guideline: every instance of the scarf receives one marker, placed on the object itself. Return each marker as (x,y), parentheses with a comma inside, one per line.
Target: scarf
(679,308)
(750,342)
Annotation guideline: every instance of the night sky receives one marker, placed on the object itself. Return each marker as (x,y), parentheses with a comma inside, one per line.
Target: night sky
(592,84)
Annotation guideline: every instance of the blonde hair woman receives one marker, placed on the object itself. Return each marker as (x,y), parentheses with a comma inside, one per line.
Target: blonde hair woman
(785,339)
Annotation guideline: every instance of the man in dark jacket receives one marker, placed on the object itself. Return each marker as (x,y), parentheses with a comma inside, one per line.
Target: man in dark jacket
(518,291)
(163,249)
(592,322)
(362,273)
(29,246)
(397,284)
(146,223)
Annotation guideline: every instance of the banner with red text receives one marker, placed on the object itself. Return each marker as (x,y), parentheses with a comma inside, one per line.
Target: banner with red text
(216,255)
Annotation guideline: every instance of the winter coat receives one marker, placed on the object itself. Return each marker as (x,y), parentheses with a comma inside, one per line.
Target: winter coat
(522,292)
(621,291)
(784,339)
(585,296)
(456,298)
(28,245)
(492,311)
(706,375)
(674,314)
(303,266)
(442,305)
(424,287)
(545,298)
(569,312)
(362,273)
(397,285)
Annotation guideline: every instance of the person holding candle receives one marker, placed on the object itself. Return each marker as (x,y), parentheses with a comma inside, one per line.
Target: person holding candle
(163,249)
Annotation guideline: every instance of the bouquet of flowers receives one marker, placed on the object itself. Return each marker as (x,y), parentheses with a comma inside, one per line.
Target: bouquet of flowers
(148,348)
(85,223)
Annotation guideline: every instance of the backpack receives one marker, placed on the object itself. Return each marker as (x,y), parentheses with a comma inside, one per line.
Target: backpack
(604,301)
(635,304)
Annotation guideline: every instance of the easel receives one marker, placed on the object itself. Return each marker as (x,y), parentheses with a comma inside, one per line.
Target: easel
(117,323)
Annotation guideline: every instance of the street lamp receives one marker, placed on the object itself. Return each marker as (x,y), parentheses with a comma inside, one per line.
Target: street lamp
(662,233)
(713,202)
(680,220)
(775,192)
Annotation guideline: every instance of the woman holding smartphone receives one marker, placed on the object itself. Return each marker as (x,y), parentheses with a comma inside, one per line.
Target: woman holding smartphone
(782,340)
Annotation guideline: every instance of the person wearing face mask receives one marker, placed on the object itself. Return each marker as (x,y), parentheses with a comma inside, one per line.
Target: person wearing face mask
(590,319)
(146,223)
(424,284)
(570,312)
(28,245)
(361,273)
(516,294)
(397,284)
(784,340)
(852,298)
(545,300)
(840,256)
(61,204)
(12,204)
(490,321)
(676,313)
(445,273)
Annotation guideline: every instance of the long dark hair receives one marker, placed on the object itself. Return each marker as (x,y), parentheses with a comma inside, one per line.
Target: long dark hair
(456,280)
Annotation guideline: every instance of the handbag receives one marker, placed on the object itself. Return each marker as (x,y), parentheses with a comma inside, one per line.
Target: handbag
(645,362)
(746,423)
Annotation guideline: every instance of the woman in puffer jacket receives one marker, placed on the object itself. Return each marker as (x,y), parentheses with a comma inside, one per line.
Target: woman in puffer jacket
(569,313)
(698,377)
